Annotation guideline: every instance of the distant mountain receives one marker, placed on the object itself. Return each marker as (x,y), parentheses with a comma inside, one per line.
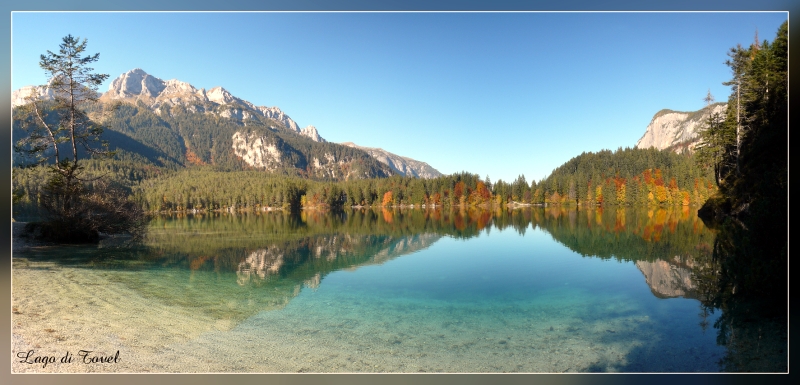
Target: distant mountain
(20,96)
(677,131)
(137,85)
(399,164)
(173,122)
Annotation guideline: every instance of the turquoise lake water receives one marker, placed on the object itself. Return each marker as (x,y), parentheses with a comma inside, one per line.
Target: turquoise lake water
(408,295)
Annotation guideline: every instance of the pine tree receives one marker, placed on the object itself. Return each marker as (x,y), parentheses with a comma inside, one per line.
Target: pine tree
(76,209)
(715,141)
(72,86)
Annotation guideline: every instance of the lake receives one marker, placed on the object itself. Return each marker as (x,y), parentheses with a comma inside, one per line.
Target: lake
(404,291)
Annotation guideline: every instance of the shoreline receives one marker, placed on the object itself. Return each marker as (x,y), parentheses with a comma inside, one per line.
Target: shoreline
(20,243)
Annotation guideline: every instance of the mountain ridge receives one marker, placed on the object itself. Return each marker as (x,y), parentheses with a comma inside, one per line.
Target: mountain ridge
(177,122)
(400,164)
(137,85)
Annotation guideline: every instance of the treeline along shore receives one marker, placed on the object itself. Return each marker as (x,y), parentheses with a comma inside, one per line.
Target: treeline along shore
(623,177)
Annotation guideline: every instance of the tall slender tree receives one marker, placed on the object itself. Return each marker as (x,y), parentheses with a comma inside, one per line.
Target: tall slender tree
(76,210)
(72,86)
(715,140)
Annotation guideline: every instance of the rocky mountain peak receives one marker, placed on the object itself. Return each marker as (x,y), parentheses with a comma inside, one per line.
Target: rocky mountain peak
(311,132)
(135,83)
(220,95)
(177,87)
(46,92)
(20,96)
(275,113)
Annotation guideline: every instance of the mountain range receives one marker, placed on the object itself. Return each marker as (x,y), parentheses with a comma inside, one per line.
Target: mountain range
(175,123)
(137,85)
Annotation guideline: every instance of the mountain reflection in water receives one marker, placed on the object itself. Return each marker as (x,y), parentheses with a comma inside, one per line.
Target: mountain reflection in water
(232,266)
(285,252)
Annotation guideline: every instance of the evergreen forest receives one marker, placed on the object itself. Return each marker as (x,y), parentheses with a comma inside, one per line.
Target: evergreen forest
(622,178)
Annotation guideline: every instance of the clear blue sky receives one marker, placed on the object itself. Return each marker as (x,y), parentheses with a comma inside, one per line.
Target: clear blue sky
(498,94)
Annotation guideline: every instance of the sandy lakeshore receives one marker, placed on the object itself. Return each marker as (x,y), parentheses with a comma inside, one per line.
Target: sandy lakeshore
(62,311)
(92,313)
(69,310)
(59,311)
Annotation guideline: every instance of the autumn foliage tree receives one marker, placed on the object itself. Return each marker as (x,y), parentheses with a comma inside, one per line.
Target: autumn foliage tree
(481,194)
(387,199)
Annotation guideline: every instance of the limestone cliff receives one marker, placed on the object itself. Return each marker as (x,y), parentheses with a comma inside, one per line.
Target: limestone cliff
(677,131)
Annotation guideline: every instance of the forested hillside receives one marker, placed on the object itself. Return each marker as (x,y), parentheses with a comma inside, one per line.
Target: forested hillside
(748,149)
(177,137)
(628,176)
(205,139)
(625,177)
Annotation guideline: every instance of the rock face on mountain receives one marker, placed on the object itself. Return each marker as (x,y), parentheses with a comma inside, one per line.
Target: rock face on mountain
(677,131)
(20,96)
(400,164)
(137,85)
(257,151)
(270,153)
(46,92)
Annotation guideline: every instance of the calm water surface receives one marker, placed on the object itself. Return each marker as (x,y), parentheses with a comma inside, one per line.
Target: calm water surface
(383,291)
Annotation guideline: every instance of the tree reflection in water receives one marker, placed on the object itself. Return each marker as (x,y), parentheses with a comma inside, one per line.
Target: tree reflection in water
(277,254)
